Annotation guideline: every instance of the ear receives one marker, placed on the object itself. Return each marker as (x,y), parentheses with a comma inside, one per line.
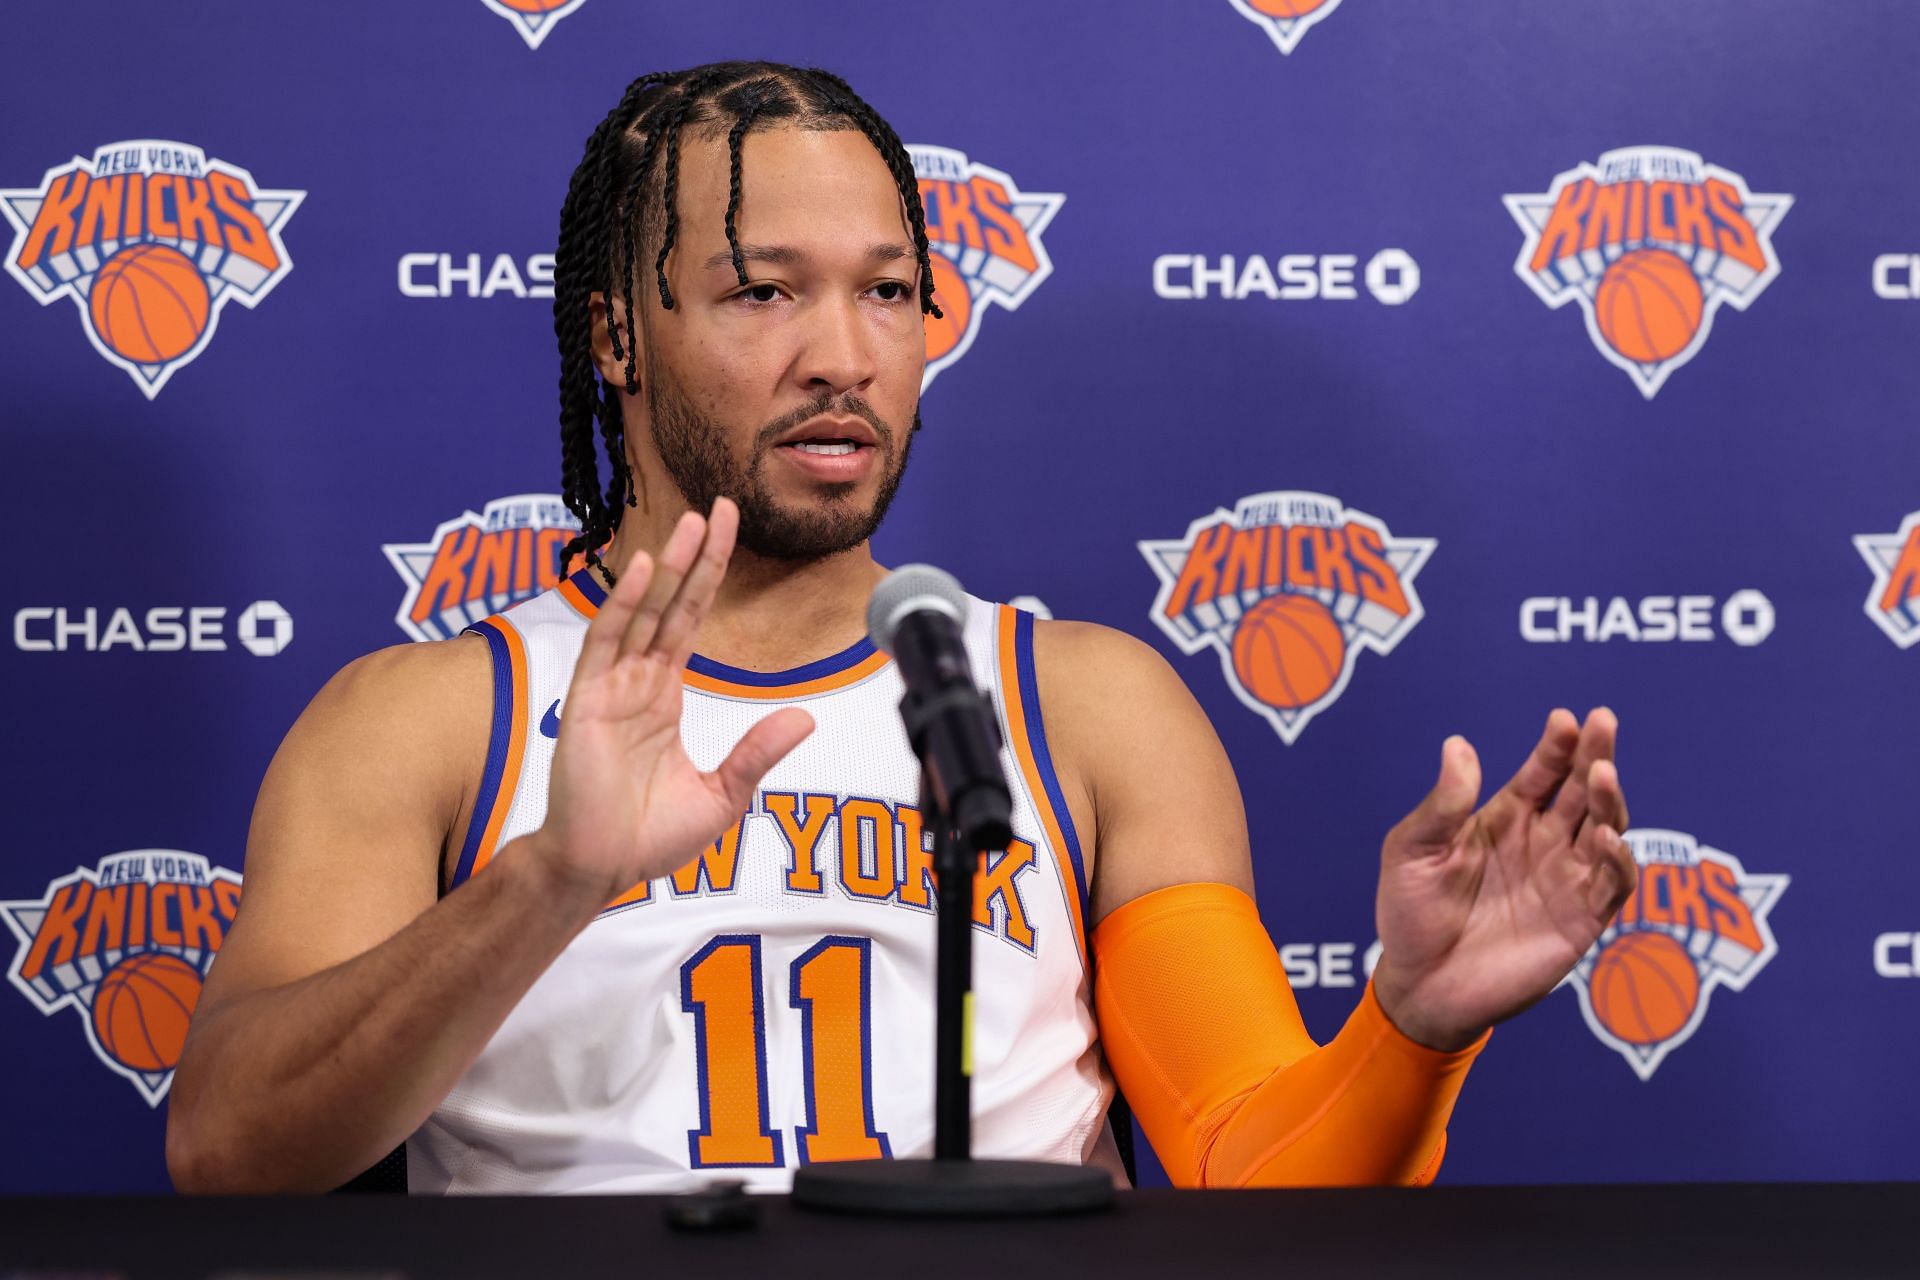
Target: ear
(611,369)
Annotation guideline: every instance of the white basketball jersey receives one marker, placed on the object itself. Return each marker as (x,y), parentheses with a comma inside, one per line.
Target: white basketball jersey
(771,1004)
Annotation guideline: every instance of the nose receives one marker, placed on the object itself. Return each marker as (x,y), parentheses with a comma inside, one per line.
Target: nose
(839,355)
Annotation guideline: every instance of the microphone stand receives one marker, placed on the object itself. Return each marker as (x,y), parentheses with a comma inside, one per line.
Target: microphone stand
(953,1183)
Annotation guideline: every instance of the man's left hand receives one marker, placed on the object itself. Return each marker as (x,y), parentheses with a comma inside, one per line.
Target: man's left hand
(1482,912)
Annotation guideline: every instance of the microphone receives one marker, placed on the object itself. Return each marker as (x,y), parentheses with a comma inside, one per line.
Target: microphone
(915,617)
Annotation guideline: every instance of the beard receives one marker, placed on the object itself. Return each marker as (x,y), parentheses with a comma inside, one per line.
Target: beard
(693,447)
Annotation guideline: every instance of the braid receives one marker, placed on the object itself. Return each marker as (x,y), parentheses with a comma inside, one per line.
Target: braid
(579,266)
(900,164)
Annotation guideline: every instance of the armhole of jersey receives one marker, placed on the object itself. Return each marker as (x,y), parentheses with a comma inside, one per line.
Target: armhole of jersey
(1020,690)
(505,742)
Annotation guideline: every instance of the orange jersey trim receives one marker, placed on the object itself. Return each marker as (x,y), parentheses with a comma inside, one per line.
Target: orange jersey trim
(584,592)
(1019,716)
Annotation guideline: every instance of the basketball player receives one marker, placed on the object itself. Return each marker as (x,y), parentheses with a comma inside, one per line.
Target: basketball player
(630,884)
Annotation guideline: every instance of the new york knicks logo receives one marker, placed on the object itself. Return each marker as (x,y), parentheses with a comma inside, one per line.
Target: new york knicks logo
(533,19)
(151,240)
(479,563)
(1651,242)
(126,945)
(1697,920)
(1894,600)
(1289,587)
(1286,21)
(985,233)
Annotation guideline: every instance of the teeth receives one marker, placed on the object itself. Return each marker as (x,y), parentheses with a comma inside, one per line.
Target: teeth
(837,449)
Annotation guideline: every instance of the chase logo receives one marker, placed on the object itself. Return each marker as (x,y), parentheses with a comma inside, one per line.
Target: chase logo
(479,563)
(533,19)
(1288,587)
(1894,601)
(126,945)
(1697,920)
(986,235)
(150,240)
(1286,21)
(1651,241)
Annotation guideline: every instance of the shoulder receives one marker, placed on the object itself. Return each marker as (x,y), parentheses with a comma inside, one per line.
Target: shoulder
(402,718)
(1088,674)
(1142,770)
(411,690)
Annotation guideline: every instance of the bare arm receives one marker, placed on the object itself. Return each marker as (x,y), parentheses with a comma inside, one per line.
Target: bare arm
(346,1001)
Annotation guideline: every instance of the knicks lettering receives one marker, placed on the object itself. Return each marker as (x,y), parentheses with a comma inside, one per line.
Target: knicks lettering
(976,214)
(883,854)
(84,918)
(1266,559)
(474,564)
(1590,215)
(1703,898)
(81,210)
(1903,582)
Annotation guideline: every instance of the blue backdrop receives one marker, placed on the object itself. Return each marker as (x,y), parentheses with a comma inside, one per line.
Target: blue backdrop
(1444,362)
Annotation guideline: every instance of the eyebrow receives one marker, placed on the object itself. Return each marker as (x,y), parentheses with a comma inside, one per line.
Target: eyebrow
(781,255)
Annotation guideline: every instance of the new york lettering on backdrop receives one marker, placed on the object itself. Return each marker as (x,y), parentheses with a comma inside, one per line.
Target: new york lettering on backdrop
(1651,242)
(1288,588)
(125,944)
(151,240)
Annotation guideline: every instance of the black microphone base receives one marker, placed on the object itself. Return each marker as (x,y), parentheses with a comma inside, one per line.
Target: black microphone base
(953,1188)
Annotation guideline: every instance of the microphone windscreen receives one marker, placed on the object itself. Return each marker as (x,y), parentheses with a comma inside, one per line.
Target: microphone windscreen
(907,590)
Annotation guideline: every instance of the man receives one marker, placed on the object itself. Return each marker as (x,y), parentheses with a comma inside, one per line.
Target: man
(631,883)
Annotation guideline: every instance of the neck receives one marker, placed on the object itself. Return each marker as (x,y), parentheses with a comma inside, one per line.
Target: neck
(773,615)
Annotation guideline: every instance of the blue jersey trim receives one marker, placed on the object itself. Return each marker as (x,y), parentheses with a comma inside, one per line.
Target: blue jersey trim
(1042,758)
(852,656)
(589,586)
(502,730)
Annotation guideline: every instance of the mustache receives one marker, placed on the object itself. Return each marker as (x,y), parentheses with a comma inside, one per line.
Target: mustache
(826,402)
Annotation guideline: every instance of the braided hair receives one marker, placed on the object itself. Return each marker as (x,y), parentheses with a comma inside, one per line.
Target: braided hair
(624,196)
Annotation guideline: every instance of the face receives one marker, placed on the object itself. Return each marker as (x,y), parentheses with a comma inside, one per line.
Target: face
(794,395)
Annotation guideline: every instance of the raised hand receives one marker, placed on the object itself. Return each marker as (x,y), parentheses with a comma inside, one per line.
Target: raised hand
(625,804)
(1482,913)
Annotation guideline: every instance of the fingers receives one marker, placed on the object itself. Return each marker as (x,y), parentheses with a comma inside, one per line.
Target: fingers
(1606,801)
(602,643)
(1597,738)
(676,558)
(763,746)
(1601,847)
(1439,818)
(1546,768)
(690,603)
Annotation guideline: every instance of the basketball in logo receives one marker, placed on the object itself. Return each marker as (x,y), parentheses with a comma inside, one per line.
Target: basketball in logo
(142,1007)
(149,303)
(1286,8)
(1288,651)
(1648,305)
(956,308)
(533,6)
(1644,987)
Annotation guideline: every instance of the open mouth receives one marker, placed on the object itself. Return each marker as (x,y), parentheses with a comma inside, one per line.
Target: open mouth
(826,448)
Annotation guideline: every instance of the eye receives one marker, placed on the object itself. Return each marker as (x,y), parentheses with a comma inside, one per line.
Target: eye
(759,293)
(894,290)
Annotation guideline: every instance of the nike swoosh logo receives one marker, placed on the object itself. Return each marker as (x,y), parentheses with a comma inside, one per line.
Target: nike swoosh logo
(550,722)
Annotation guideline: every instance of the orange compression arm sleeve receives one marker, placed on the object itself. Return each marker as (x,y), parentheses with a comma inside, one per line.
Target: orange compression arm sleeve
(1203,1036)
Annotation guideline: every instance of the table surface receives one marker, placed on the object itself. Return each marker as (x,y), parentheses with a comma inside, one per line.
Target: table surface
(1747,1230)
